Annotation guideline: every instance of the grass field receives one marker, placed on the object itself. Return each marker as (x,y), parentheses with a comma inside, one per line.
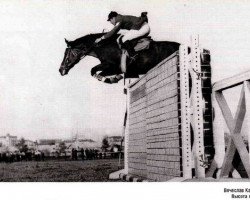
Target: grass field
(59,171)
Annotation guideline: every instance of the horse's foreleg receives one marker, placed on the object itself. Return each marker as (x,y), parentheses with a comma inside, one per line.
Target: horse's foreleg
(97,68)
(102,68)
(110,80)
(114,79)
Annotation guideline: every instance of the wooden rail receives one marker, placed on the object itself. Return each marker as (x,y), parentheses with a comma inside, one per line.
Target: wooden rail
(223,159)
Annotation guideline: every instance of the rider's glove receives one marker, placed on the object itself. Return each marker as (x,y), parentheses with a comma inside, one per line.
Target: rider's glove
(99,39)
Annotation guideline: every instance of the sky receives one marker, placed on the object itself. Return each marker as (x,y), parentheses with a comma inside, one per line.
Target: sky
(37,102)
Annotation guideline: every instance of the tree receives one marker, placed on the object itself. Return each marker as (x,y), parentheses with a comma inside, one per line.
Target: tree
(22,147)
(105,143)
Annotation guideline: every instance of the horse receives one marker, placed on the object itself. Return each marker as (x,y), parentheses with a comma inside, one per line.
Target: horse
(109,53)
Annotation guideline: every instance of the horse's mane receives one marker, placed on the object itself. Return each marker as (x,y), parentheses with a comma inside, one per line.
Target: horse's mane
(89,39)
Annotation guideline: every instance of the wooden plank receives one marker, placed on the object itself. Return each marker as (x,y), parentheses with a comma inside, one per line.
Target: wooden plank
(247,117)
(227,162)
(126,135)
(225,110)
(219,140)
(232,81)
(138,93)
(240,113)
(150,71)
(241,147)
(235,126)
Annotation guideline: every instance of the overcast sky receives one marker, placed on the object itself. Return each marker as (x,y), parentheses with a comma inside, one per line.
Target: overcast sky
(36,102)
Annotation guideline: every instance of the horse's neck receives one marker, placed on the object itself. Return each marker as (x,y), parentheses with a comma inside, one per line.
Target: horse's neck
(97,35)
(102,49)
(93,54)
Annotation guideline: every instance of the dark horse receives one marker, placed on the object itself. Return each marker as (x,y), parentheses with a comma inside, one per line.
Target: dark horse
(109,54)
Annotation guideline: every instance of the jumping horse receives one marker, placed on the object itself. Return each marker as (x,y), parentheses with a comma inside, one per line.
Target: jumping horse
(109,53)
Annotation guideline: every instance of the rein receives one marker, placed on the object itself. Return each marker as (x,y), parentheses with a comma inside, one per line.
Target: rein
(88,51)
(75,52)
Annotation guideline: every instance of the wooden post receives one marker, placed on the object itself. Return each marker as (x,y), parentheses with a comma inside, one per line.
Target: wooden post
(247,117)
(219,140)
(185,113)
(126,134)
(199,153)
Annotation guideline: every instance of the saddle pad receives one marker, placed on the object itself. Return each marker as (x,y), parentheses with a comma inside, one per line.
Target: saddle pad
(142,44)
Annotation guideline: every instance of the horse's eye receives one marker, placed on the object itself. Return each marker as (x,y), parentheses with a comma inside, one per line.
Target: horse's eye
(67,61)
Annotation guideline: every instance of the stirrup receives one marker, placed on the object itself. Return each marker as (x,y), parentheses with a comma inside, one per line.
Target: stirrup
(133,58)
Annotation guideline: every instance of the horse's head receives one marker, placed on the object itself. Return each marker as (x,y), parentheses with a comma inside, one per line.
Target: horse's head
(72,56)
(79,48)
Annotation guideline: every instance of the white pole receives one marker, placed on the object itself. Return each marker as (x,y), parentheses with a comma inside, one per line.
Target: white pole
(185,113)
(126,132)
(197,109)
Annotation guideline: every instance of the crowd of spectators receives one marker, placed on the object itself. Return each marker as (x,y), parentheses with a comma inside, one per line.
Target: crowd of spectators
(82,154)
(89,154)
(9,157)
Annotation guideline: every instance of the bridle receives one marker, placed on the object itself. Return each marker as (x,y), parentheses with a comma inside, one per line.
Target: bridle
(76,53)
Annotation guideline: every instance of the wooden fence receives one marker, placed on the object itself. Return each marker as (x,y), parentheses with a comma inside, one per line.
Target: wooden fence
(169,132)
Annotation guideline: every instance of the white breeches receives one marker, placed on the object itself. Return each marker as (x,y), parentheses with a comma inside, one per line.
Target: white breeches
(132,34)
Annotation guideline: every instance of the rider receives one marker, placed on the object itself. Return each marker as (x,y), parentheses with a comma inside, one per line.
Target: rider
(137,26)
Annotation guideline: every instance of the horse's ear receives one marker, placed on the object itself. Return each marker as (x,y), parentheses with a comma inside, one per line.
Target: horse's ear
(67,42)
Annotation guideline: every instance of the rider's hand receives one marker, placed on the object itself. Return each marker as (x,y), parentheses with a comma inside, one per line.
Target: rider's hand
(99,40)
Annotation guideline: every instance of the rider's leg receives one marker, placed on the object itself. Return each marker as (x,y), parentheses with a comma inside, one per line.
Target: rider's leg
(129,47)
(132,34)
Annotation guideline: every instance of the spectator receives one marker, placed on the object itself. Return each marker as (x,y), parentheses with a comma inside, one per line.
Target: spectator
(100,155)
(82,153)
(87,153)
(73,154)
(42,156)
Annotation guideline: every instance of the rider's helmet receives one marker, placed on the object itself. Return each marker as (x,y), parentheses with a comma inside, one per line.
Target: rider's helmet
(111,15)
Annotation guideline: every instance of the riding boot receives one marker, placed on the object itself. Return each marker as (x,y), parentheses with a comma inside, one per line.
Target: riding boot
(130,49)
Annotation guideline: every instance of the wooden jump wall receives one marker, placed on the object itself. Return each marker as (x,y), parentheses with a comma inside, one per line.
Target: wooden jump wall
(155,143)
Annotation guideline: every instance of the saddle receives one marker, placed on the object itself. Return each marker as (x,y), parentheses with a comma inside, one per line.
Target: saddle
(142,44)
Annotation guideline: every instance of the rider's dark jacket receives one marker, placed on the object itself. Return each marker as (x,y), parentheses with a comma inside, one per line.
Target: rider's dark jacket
(127,22)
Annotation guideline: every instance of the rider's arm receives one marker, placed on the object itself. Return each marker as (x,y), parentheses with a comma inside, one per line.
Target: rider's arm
(113,31)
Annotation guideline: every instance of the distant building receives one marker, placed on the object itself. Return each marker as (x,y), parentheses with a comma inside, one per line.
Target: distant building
(48,141)
(52,146)
(113,140)
(8,140)
(31,144)
(86,143)
(47,149)
(81,143)
(115,143)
